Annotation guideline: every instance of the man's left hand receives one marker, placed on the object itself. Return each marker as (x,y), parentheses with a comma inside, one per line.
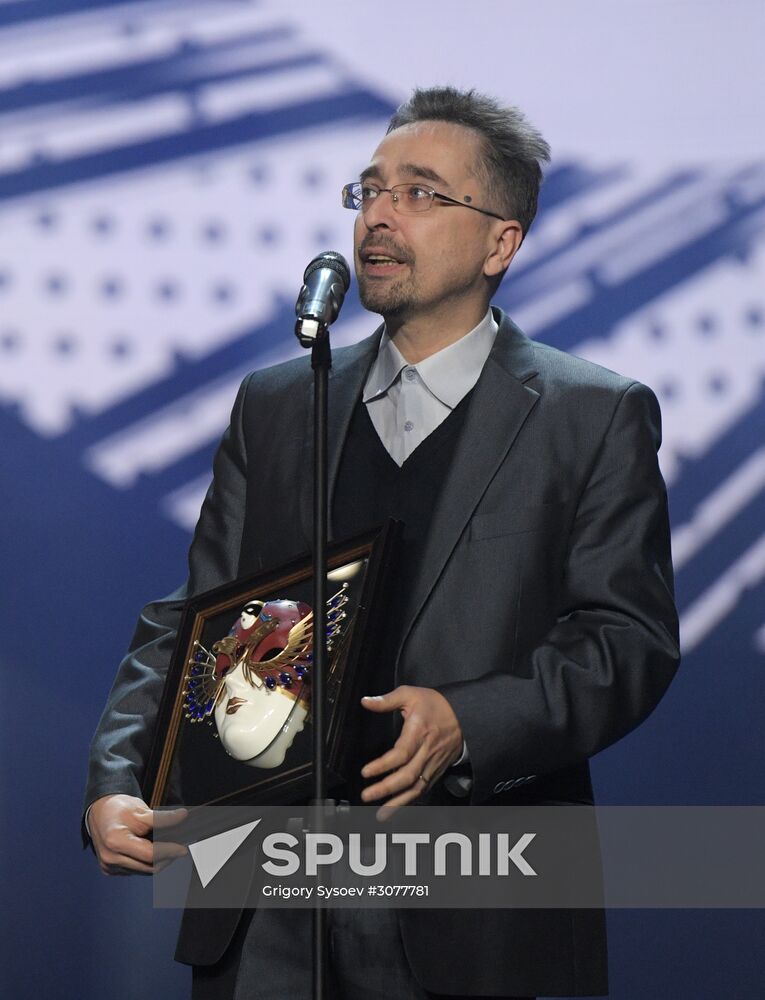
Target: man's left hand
(429,742)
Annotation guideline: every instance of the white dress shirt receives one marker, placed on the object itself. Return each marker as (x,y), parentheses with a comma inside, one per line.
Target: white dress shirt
(407,402)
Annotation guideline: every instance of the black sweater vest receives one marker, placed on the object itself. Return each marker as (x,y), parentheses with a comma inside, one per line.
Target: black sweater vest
(370,488)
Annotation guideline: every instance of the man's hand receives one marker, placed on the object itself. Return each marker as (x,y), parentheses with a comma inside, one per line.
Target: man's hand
(121,827)
(430,740)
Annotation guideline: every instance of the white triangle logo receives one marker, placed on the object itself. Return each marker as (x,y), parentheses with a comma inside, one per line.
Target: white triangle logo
(211,854)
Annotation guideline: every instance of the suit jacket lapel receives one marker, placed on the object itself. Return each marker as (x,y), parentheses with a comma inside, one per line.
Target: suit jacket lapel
(499,407)
(346,381)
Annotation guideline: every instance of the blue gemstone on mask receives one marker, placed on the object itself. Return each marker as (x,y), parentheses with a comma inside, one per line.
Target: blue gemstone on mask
(286,680)
(264,616)
(270,682)
(199,656)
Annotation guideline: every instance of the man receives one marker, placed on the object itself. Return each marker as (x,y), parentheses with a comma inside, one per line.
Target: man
(534,623)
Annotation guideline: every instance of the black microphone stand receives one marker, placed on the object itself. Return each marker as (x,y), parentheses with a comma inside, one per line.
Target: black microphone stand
(321,362)
(326,281)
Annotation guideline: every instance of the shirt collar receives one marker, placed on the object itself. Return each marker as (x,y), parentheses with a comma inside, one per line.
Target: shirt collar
(385,369)
(449,374)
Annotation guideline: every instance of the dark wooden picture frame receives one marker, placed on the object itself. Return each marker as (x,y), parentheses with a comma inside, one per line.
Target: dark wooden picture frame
(189,766)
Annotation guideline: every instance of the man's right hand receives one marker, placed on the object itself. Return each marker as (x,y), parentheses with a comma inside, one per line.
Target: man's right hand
(121,827)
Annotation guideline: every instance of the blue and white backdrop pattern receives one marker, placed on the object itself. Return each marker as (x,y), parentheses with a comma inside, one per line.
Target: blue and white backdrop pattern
(166,170)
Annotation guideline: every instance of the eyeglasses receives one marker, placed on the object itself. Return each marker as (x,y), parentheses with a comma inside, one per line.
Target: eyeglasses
(408,199)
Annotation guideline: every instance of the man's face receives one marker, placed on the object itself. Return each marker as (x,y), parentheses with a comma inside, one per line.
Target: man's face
(439,254)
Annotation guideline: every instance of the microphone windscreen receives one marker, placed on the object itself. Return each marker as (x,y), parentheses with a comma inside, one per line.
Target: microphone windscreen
(333,260)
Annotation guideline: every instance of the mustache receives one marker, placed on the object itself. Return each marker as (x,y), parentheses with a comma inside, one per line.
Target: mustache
(385,246)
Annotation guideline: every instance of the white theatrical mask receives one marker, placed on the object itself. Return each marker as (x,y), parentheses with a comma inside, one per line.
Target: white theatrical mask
(255,681)
(264,700)
(257,725)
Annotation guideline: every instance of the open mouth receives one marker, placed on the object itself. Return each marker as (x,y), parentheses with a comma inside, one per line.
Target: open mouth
(380,260)
(234,705)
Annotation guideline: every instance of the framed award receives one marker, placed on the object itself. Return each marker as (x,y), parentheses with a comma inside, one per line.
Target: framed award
(234,725)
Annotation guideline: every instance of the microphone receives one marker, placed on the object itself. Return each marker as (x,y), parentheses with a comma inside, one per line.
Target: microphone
(325,282)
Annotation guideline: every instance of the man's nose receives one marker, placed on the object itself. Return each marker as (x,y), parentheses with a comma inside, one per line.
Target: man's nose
(380,212)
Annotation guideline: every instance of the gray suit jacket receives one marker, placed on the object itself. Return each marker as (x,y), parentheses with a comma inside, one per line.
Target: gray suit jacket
(543,610)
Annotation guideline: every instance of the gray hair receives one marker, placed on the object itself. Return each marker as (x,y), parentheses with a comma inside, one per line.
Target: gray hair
(513,150)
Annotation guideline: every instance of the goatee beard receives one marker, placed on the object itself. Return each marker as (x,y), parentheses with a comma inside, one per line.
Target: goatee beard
(385,301)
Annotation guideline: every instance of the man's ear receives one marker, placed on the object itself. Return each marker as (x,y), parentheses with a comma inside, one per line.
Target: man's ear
(508,237)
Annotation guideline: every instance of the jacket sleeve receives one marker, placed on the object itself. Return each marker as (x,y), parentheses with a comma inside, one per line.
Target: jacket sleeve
(122,741)
(613,648)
